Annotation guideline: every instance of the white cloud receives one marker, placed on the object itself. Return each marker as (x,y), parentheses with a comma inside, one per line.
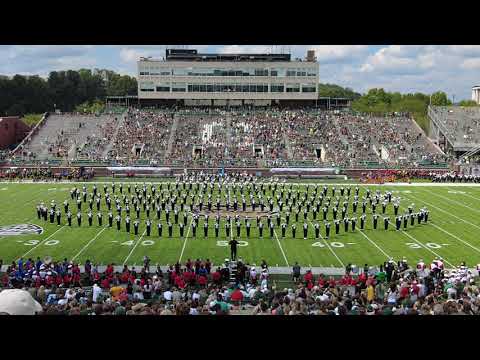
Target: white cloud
(336,53)
(471,64)
(238,49)
(400,60)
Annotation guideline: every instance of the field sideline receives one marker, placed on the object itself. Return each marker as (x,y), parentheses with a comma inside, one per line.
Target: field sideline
(451,232)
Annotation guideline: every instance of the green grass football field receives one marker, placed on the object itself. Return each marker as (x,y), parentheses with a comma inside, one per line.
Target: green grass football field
(452,232)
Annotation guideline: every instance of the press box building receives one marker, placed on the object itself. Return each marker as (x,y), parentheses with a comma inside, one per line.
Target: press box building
(189,78)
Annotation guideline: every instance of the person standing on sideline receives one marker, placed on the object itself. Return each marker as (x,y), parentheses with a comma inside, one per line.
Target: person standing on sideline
(233,249)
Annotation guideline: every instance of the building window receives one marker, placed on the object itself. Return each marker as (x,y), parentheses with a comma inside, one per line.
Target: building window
(311,72)
(147,86)
(291,72)
(179,87)
(301,72)
(277,88)
(163,87)
(293,88)
(261,72)
(308,88)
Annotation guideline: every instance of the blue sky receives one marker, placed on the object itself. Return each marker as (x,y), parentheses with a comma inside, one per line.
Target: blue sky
(424,68)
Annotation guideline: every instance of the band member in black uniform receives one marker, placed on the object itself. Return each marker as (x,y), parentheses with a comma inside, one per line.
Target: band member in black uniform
(52,216)
(405,221)
(412,219)
(354,223)
(305,231)
(354,205)
(345,224)
(398,222)
(375,221)
(205,229)
(344,211)
(79,219)
(90,218)
(260,229)
(127,224)
(327,229)
(99,218)
(90,204)
(59,216)
(147,210)
(247,228)
(149,227)
(118,220)
(160,229)
(362,221)
(374,208)
(227,229)
(110,219)
(317,230)
(175,215)
(272,227)
(386,220)
(182,229)
(136,223)
(194,229)
(426,215)
(337,226)
(170,229)
(384,207)
(69,218)
(325,210)
(39,212)
(216,226)
(395,208)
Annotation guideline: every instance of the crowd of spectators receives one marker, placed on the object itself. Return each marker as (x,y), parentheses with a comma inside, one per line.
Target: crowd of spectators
(143,135)
(197,287)
(273,137)
(460,125)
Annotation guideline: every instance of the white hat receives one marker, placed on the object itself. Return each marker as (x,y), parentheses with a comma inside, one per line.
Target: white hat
(18,302)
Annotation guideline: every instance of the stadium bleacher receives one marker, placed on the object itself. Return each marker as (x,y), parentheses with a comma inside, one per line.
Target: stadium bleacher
(240,138)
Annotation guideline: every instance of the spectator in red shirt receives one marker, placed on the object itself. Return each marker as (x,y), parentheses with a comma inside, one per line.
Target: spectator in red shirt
(216,276)
(202,280)
(236,296)
(308,277)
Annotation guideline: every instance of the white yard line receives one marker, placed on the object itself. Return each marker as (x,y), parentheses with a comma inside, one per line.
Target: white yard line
(41,242)
(426,247)
(88,244)
(133,249)
(329,247)
(455,237)
(470,196)
(281,248)
(185,240)
(452,235)
(453,201)
(447,212)
(374,244)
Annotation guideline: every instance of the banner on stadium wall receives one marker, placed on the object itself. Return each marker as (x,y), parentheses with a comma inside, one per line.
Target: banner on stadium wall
(385,154)
(139,168)
(335,171)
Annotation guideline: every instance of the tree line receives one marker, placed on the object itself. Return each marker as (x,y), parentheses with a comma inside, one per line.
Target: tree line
(63,90)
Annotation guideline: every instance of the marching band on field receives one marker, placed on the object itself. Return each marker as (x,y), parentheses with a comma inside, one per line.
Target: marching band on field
(279,204)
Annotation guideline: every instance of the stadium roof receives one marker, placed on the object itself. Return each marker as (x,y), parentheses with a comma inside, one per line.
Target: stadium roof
(193,55)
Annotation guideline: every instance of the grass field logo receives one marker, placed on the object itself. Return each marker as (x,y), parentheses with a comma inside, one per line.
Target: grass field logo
(20,229)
